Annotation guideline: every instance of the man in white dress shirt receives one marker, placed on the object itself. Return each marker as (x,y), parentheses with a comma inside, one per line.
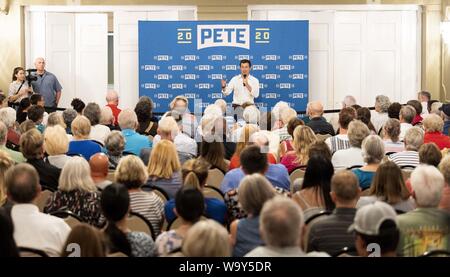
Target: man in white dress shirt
(244,86)
(32,228)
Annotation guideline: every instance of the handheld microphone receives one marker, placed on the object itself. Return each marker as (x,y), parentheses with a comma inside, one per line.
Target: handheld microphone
(245,76)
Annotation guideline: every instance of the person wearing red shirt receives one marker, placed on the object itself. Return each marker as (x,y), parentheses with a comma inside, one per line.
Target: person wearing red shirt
(433,125)
(112,98)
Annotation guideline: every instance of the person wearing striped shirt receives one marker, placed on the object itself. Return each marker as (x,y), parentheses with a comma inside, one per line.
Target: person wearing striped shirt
(330,233)
(410,157)
(132,173)
(340,141)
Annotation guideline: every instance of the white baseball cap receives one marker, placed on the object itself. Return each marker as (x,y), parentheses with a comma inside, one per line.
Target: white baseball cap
(369,218)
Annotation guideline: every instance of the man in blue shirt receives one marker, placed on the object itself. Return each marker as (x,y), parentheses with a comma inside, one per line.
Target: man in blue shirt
(134,142)
(254,161)
(46,84)
(446,116)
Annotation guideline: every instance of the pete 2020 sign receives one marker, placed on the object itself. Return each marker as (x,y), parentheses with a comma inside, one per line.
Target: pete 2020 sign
(191,57)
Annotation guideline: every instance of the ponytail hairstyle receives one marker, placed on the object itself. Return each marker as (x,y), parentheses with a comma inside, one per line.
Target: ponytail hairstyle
(195,173)
(115,203)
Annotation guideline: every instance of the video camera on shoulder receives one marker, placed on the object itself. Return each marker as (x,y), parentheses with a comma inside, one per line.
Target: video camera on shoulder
(31,75)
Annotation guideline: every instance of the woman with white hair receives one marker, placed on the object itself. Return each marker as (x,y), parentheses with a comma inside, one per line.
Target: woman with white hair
(8,116)
(77,193)
(206,238)
(373,153)
(433,125)
(409,157)
(180,104)
(379,116)
(391,136)
(427,227)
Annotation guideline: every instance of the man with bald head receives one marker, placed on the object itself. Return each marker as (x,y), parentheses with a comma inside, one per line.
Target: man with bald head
(47,85)
(317,122)
(112,100)
(99,170)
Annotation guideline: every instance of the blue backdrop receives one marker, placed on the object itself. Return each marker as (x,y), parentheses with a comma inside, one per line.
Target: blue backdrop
(191,57)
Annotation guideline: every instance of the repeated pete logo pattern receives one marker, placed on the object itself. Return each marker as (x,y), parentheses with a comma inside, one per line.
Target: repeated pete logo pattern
(191,57)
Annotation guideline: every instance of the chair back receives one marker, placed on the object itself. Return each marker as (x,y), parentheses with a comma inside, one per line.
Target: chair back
(42,199)
(69,217)
(31,252)
(213,192)
(215,177)
(297,173)
(138,223)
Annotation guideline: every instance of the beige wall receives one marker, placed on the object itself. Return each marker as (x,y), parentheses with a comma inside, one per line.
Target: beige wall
(12,46)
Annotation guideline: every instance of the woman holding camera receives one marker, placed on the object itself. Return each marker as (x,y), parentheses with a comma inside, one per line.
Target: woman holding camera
(19,88)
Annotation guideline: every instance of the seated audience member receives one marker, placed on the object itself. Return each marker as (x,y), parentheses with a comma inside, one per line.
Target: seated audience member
(380,115)
(407,114)
(445,113)
(69,115)
(134,142)
(330,234)
(32,228)
(357,132)
(217,128)
(164,168)
(376,224)
(115,203)
(16,156)
(189,208)
(392,143)
(107,118)
(320,149)
(81,144)
(55,119)
(32,147)
(363,114)
(89,239)
(99,164)
(143,110)
(260,139)
(314,195)
(77,193)
(132,173)
(348,101)
(265,127)
(244,140)
(394,110)
(8,117)
(418,108)
(430,154)
(56,145)
(427,227)
(303,138)
(26,126)
(424,98)
(433,125)
(434,107)
(251,116)
(373,153)
(98,131)
(254,191)
(78,105)
(36,114)
(112,100)
(180,105)
(340,141)
(282,118)
(281,228)
(22,111)
(254,161)
(287,145)
(409,157)
(8,247)
(195,174)
(388,186)
(316,120)
(213,152)
(37,99)
(114,145)
(206,238)
(5,163)
(444,167)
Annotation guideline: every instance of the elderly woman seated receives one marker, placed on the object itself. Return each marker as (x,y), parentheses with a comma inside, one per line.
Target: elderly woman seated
(114,145)
(373,153)
(391,137)
(81,144)
(409,157)
(433,125)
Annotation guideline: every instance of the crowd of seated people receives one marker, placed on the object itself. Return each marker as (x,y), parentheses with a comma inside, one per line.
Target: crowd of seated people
(215,184)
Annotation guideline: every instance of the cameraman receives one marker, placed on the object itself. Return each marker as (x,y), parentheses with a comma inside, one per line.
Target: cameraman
(47,85)
(19,88)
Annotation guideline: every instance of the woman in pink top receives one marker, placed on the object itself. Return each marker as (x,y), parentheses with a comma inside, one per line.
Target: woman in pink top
(303,138)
